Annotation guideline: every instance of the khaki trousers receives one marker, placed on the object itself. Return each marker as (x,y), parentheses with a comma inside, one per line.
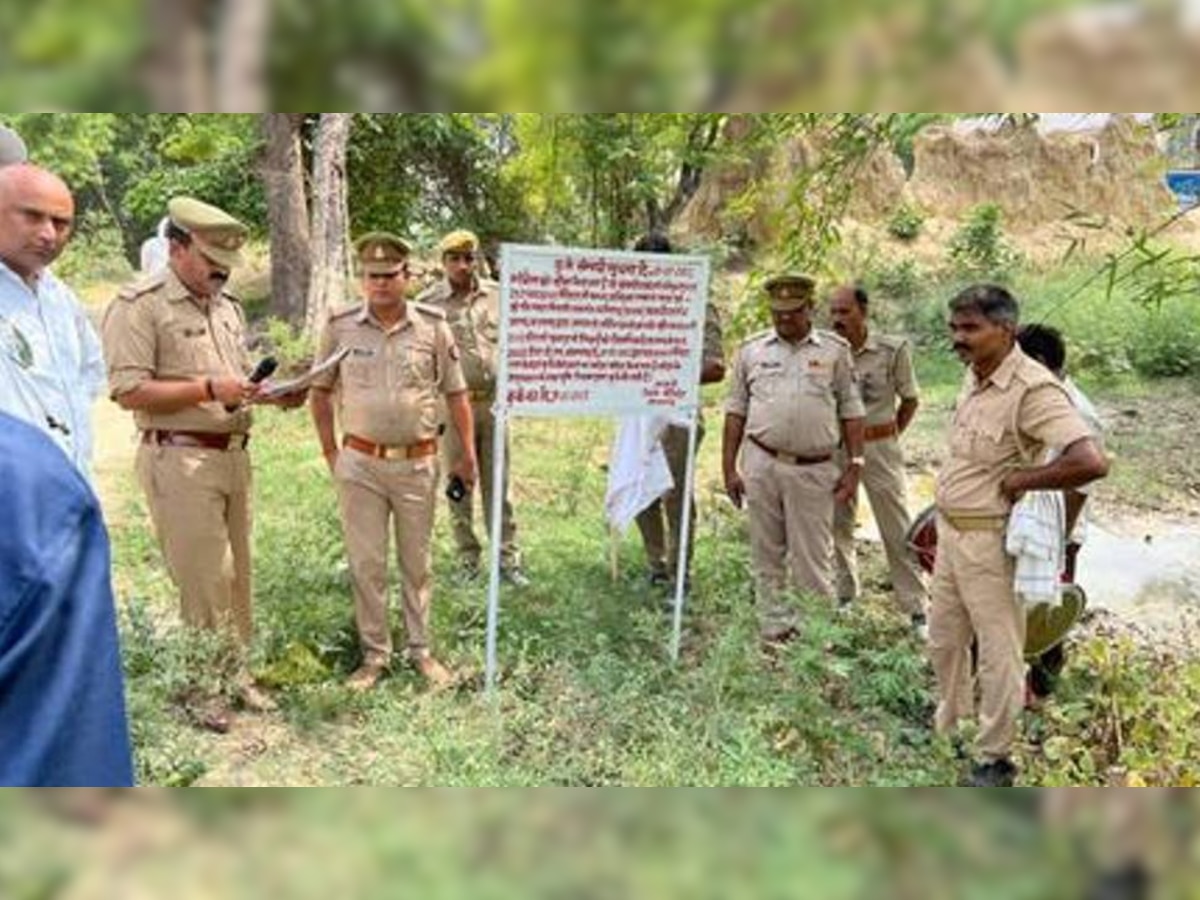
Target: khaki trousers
(1115,827)
(461,513)
(883,480)
(659,537)
(370,493)
(200,507)
(972,598)
(791,531)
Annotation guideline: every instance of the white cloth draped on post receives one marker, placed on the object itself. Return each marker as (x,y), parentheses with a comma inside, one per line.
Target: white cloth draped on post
(638,473)
(1035,540)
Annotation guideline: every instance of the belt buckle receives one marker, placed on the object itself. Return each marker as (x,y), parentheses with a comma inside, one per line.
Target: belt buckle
(400,452)
(790,458)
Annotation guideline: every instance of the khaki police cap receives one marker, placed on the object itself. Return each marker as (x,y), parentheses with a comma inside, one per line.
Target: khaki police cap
(218,235)
(12,148)
(461,241)
(381,253)
(790,291)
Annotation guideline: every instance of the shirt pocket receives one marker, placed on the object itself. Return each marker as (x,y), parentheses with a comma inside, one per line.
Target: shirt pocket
(360,367)
(420,365)
(984,440)
(817,381)
(870,386)
(188,349)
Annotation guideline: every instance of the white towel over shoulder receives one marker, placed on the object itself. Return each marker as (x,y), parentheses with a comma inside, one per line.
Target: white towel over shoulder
(1035,539)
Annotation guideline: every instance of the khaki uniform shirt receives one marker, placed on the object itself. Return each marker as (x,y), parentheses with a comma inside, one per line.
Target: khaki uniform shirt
(388,385)
(156,330)
(885,373)
(474,317)
(793,396)
(1005,423)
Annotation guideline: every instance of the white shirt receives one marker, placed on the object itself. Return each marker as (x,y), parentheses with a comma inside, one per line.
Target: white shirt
(51,364)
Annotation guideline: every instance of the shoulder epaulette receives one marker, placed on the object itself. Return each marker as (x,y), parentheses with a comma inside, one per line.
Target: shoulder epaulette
(142,286)
(757,336)
(429,310)
(344,311)
(892,341)
(833,336)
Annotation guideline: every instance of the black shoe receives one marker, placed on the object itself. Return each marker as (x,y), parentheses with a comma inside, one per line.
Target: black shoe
(659,579)
(996,774)
(514,576)
(1129,883)
(920,627)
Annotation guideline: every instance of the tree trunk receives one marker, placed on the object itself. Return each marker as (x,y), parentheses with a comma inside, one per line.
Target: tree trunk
(177,71)
(330,220)
(287,214)
(242,35)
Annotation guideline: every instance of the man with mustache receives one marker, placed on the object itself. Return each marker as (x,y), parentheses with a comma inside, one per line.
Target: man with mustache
(177,358)
(792,402)
(51,367)
(889,392)
(1010,409)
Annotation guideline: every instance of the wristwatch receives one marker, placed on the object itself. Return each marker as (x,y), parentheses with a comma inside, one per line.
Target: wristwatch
(859,461)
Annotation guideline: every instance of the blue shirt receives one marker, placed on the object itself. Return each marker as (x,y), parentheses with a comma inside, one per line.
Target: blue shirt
(62,707)
(51,364)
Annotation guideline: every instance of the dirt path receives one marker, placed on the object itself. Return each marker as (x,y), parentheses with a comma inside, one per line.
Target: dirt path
(115,446)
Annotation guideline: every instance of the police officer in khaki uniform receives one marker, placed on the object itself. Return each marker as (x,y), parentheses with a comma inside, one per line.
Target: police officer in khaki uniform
(660,522)
(793,399)
(402,357)
(1009,410)
(175,347)
(472,308)
(885,375)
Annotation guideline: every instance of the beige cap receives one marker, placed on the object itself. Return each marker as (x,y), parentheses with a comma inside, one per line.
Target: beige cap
(381,253)
(461,241)
(218,235)
(790,290)
(12,148)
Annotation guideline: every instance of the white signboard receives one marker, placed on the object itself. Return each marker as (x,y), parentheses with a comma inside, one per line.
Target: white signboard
(596,332)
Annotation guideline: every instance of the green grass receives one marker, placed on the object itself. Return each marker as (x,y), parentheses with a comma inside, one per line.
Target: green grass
(587,693)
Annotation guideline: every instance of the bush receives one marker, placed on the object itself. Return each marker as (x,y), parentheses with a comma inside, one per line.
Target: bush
(979,249)
(905,223)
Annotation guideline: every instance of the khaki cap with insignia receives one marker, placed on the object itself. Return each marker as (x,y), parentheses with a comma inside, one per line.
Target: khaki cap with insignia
(12,148)
(381,253)
(218,235)
(790,291)
(461,241)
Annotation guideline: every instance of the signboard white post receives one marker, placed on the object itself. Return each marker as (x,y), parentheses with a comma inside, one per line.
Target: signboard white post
(596,333)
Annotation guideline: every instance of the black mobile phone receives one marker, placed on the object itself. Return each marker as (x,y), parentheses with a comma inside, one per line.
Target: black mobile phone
(456,489)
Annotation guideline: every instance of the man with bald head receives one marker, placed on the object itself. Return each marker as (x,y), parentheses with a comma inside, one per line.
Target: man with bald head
(51,365)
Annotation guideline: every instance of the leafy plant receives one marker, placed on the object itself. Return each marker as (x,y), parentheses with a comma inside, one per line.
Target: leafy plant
(905,222)
(978,248)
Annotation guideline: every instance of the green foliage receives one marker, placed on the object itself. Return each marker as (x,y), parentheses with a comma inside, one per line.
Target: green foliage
(905,222)
(428,174)
(213,157)
(587,697)
(1111,714)
(978,248)
(288,344)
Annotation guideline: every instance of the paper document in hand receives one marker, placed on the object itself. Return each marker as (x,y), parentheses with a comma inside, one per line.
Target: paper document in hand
(292,385)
